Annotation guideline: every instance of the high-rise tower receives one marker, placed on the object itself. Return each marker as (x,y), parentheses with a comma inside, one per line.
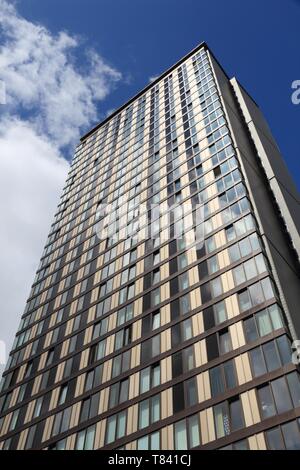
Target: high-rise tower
(156,339)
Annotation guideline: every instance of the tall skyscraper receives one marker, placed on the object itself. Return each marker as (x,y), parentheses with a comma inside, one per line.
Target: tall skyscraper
(177,337)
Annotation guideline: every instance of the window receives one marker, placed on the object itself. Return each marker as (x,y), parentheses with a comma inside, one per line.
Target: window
(123,338)
(214,315)
(183,361)
(100,328)
(291,436)
(222,377)
(156,257)
(63,394)
(149,442)
(184,304)
(61,421)
(155,297)
(182,261)
(294,387)
(286,436)
(183,281)
(149,411)
(150,377)
(187,433)
(89,407)
(225,344)
(121,363)
(124,314)
(126,293)
(150,348)
(270,356)
(228,417)
(266,402)
(281,395)
(240,445)
(191,392)
(118,393)
(93,378)
(249,269)
(180,433)
(263,323)
(256,294)
(116,427)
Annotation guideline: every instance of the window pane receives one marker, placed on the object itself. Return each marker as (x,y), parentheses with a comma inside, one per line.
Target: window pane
(216,287)
(236,414)
(180,436)
(80,440)
(121,424)
(155,441)
(275,315)
(241,445)
(191,392)
(187,329)
(155,375)
(216,381)
(89,440)
(113,398)
(250,269)
(245,247)
(221,420)
(155,345)
(266,402)
(271,356)
(155,409)
(124,391)
(156,321)
(281,395)
(257,361)
(143,443)
(188,355)
(111,429)
(260,263)
(234,253)
(250,329)
(275,439)
(285,351)
(263,323)
(230,376)
(239,275)
(144,414)
(225,342)
(294,386)
(267,288)
(244,301)
(185,304)
(220,312)
(194,431)
(291,436)
(256,294)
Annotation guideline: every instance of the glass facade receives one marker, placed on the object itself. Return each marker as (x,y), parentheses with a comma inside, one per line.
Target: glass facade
(154,342)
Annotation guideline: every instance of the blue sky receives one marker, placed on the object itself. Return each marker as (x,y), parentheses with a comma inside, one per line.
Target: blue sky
(257,41)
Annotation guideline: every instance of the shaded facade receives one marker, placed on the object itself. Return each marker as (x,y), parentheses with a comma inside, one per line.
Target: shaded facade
(163,342)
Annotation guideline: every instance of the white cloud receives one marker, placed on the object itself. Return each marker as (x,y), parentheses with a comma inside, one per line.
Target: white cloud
(153,78)
(31,176)
(39,70)
(57,93)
